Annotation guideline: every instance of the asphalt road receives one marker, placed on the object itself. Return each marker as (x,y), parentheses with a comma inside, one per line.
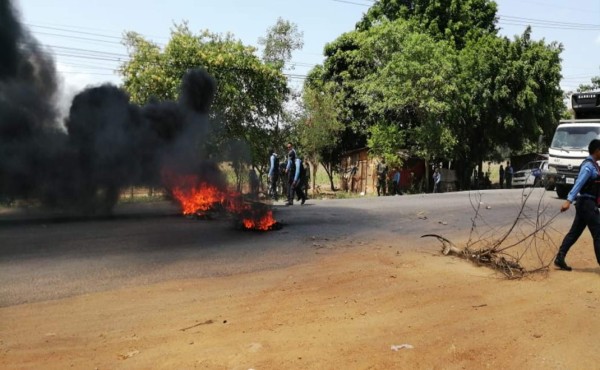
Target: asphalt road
(45,256)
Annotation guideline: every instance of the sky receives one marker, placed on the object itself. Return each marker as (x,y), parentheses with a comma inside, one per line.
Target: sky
(85,36)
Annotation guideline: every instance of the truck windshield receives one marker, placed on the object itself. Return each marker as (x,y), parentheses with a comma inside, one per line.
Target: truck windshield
(574,137)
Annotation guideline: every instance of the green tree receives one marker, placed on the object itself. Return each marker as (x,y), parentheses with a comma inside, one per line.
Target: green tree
(509,95)
(452,20)
(438,70)
(317,128)
(413,88)
(593,86)
(250,93)
(386,141)
(281,40)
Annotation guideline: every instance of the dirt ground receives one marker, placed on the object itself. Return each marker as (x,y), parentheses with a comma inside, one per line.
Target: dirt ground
(346,309)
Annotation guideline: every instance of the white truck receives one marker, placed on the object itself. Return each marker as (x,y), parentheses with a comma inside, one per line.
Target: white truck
(571,140)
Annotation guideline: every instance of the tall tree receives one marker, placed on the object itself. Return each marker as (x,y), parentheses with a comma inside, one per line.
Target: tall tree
(317,128)
(250,93)
(280,42)
(413,87)
(438,71)
(509,95)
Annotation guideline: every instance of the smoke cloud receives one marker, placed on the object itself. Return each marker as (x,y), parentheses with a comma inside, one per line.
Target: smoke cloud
(106,142)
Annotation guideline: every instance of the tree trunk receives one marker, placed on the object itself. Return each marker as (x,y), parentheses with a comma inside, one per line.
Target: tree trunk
(426,176)
(480,174)
(329,171)
(313,170)
(262,170)
(313,176)
(237,169)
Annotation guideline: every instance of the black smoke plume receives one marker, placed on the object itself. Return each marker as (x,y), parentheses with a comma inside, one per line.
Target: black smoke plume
(105,144)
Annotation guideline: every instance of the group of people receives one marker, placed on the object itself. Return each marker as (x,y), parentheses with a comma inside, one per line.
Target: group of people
(382,180)
(506,176)
(295,172)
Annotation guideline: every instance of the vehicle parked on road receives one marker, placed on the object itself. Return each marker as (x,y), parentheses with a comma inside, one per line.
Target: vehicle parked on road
(532,174)
(570,142)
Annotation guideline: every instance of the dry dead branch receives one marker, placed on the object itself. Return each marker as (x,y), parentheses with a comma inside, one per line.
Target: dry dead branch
(526,235)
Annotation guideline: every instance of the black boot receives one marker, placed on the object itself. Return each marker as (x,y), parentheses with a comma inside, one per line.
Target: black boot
(561,264)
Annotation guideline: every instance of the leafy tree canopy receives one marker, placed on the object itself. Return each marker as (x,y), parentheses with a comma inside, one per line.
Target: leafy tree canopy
(279,43)
(317,127)
(249,92)
(453,20)
(436,75)
(593,86)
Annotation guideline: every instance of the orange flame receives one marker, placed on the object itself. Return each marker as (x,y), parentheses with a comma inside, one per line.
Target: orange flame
(264,223)
(199,198)
(196,196)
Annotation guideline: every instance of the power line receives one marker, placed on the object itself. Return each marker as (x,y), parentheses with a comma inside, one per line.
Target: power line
(72,31)
(524,24)
(76,37)
(76,28)
(540,23)
(352,3)
(100,56)
(520,21)
(87,66)
(95,52)
(556,6)
(546,21)
(86,73)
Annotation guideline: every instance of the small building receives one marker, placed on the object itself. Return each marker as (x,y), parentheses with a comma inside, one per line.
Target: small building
(359,172)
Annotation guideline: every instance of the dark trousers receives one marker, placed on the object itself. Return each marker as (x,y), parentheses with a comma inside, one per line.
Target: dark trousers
(586,214)
(509,181)
(381,186)
(501,182)
(395,188)
(294,190)
(273,187)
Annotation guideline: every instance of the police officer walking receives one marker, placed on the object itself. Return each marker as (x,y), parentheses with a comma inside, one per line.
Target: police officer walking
(300,181)
(586,207)
(293,170)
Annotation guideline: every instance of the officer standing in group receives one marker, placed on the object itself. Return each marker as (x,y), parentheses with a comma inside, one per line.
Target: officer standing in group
(396,182)
(586,207)
(293,169)
(273,174)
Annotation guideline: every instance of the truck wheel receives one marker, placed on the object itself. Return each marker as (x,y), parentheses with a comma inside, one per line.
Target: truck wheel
(562,191)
